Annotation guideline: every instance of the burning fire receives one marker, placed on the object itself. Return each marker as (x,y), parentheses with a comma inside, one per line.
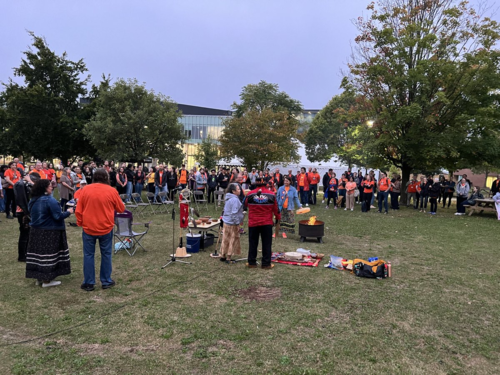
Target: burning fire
(312,220)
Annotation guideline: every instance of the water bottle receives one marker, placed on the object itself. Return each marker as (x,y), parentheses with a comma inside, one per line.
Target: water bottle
(389,269)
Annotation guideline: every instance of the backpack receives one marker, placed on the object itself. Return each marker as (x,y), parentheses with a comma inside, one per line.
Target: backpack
(363,268)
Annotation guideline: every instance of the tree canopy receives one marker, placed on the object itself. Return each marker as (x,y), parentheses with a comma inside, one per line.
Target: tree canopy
(132,123)
(263,129)
(339,130)
(429,71)
(42,117)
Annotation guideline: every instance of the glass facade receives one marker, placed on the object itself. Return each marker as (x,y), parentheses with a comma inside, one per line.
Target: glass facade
(197,128)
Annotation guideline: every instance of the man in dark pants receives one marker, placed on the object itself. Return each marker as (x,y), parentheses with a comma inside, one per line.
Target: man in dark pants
(212,185)
(261,204)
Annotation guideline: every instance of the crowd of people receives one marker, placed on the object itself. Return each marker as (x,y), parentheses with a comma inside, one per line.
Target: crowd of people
(27,194)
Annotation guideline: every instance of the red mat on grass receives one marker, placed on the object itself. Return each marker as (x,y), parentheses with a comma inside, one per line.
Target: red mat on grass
(309,262)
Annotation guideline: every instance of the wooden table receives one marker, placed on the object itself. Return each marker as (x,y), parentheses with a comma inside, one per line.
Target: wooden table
(486,204)
(204,228)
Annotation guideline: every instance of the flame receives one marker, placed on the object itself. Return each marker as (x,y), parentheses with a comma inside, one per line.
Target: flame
(312,220)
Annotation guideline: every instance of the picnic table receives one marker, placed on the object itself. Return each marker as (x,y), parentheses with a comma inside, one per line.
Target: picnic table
(486,204)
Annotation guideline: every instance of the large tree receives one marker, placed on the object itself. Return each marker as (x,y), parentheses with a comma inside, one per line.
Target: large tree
(428,68)
(132,123)
(338,131)
(263,129)
(41,116)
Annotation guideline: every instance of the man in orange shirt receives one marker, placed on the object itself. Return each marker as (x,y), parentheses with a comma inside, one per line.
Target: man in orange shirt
(38,169)
(183,176)
(95,213)
(313,178)
(383,192)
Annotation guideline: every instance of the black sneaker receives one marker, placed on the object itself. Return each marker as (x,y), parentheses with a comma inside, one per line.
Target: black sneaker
(88,287)
(10,217)
(222,259)
(107,286)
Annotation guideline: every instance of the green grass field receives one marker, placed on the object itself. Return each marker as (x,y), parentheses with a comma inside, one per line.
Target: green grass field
(439,314)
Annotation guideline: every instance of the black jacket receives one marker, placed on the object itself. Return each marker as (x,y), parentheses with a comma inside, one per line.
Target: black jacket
(326,181)
(279,181)
(434,190)
(220,179)
(130,175)
(495,187)
(171,179)
(212,181)
(164,179)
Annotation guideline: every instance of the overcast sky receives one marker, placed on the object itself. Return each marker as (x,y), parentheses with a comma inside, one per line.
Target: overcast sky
(198,52)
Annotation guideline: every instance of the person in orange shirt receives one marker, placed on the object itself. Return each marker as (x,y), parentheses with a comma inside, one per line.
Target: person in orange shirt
(350,187)
(95,213)
(303,186)
(342,192)
(39,169)
(11,176)
(383,192)
(183,176)
(368,185)
(411,190)
(314,179)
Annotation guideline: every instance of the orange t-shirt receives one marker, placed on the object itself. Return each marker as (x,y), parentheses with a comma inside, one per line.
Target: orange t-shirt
(350,186)
(95,211)
(302,179)
(314,178)
(183,177)
(10,174)
(42,174)
(80,176)
(285,203)
(412,187)
(384,184)
(58,176)
(341,186)
(368,186)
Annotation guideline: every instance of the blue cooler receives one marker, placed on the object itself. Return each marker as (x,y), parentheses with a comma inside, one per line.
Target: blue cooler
(193,243)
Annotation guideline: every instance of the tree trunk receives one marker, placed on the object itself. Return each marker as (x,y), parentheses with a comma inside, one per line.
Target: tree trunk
(405,172)
(486,179)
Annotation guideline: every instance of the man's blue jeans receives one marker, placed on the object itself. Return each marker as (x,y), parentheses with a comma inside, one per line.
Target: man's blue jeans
(383,196)
(105,244)
(138,190)
(129,190)
(159,189)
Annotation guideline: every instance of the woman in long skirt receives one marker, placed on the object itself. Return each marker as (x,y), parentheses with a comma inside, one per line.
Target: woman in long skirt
(288,201)
(48,254)
(232,217)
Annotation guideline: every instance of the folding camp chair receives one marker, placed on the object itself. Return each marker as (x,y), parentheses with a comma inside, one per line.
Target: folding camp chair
(219,194)
(127,239)
(128,205)
(200,199)
(164,200)
(155,206)
(141,205)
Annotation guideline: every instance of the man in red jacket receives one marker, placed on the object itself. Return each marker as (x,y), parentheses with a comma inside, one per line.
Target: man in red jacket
(261,204)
